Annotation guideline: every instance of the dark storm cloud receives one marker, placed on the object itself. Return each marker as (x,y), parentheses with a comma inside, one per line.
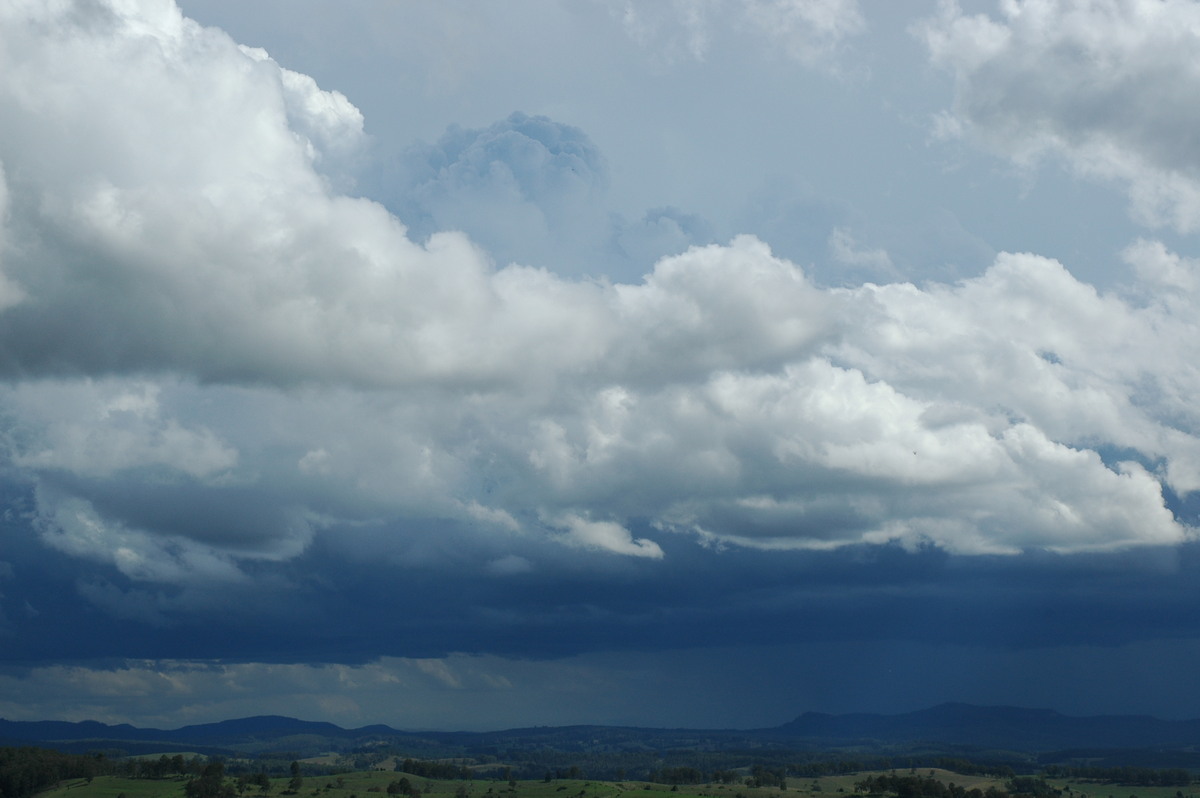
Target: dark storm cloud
(326,607)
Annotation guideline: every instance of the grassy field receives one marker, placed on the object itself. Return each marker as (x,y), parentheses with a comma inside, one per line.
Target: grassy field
(373,784)
(1092,790)
(111,787)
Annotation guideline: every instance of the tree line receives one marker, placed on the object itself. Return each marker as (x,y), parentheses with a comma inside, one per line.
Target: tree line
(911,786)
(1142,777)
(435,770)
(27,770)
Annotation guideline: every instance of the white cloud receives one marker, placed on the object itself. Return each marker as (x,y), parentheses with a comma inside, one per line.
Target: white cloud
(98,429)
(845,249)
(300,364)
(809,31)
(72,525)
(674,30)
(332,128)
(1107,87)
(439,670)
(10,294)
(607,536)
(1169,277)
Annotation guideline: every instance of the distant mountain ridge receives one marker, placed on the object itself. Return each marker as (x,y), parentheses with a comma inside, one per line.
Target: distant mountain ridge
(952,725)
(999,727)
(221,733)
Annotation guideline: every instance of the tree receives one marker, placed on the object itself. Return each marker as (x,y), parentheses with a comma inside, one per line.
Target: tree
(402,786)
(210,783)
(296,782)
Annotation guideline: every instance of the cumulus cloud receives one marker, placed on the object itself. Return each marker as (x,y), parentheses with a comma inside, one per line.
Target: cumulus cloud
(329,125)
(213,358)
(1104,86)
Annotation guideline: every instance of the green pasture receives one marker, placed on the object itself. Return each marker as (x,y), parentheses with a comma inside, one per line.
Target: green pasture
(1083,789)
(373,784)
(112,787)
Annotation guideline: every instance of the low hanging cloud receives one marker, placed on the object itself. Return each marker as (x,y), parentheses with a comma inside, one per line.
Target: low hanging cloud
(213,359)
(1106,87)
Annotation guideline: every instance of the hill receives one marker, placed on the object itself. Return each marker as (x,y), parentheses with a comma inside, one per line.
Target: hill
(984,733)
(998,727)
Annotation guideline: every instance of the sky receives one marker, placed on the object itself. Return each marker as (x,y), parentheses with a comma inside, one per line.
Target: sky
(469,365)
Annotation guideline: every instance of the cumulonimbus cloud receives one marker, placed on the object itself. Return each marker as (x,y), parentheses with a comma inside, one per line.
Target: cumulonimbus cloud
(280,359)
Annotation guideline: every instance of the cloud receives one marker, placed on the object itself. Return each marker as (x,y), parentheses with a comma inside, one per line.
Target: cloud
(425,459)
(758,411)
(809,32)
(660,232)
(846,250)
(216,363)
(674,31)
(526,188)
(329,125)
(98,430)
(1103,86)
(10,294)
(73,525)
(690,688)
(533,191)
(607,536)
(510,564)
